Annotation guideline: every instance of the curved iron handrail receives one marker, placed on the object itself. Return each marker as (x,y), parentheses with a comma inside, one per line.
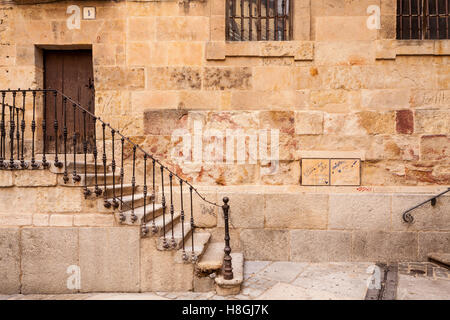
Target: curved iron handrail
(408,218)
(78,105)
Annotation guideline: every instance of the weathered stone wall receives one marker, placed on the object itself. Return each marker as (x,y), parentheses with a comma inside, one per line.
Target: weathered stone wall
(338,86)
(337,89)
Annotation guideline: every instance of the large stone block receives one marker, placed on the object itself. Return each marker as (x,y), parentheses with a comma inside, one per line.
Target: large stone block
(165,122)
(432,121)
(6,178)
(174,78)
(350,28)
(330,53)
(159,272)
(284,121)
(109,259)
(381,246)
(274,78)
(296,211)
(140,28)
(225,78)
(435,147)
(430,242)
(359,212)
(264,244)
(185,53)
(9,261)
(404,121)
(308,122)
(320,245)
(385,99)
(15,219)
(34,178)
(46,255)
(182,28)
(23,200)
(426,217)
(401,147)
(246,210)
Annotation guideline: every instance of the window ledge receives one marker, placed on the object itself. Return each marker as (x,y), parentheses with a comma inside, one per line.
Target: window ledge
(390,49)
(299,50)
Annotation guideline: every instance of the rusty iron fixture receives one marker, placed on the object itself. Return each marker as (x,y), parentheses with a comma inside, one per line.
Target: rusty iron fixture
(408,218)
(227,266)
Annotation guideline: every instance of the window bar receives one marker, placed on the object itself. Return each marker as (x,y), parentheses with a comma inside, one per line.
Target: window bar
(250,20)
(86,192)
(23,164)
(173,243)
(11,131)
(56,163)
(153,196)
(97,190)
(283,10)
(290,19)
(227,19)
(427,14)
(242,21)
(258,24)
(437,20)
(133,184)
(410,19)
(193,257)
(75,176)
(234,30)
(122,216)
(400,17)
(45,164)
(144,228)
(106,203)
(275,34)
(163,203)
(18,133)
(419,18)
(66,175)
(115,203)
(2,132)
(182,220)
(267,20)
(446,17)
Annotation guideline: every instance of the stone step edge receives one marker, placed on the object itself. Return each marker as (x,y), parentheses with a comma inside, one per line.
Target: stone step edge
(201,241)
(440,258)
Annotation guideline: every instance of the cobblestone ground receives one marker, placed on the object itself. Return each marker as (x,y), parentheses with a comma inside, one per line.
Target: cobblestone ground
(298,281)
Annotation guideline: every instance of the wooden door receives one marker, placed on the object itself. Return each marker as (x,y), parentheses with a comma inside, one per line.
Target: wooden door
(71,72)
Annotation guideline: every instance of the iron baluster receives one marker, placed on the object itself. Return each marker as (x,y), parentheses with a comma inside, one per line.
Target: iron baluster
(11,131)
(173,243)
(133,184)
(2,132)
(97,190)
(163,203)
(182,220)
(122,216)
(227,266)
(75,176)
(153,196)
(18,133)
(193,257)
(115,204)
(57,163)
(144,228)
(23,164)
(45,164)
(66,175)
(106,203)
(34,165)
(86,191)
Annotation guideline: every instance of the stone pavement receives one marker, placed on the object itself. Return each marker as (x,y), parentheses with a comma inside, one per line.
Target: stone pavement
(265,280)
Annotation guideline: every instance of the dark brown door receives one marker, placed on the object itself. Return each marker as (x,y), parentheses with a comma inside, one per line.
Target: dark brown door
(71,72)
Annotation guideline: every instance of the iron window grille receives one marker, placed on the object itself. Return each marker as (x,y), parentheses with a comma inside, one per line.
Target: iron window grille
(258,20)
(423,19)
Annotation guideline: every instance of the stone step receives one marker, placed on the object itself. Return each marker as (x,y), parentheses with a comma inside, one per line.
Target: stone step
(233,286)
(440,258)
(201,240)
(127,189)
(90,179)
(212,259)
(157,227)
(139,213)
(176,242)
(90,167)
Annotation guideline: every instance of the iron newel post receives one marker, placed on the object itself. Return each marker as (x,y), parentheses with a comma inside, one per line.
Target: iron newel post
(227,267)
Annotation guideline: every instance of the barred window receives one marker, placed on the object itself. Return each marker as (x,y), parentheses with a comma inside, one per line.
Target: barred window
(423,19)
(258,20)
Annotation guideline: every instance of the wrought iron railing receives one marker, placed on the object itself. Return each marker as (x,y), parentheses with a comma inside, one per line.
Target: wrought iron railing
(20,153)
(408,218)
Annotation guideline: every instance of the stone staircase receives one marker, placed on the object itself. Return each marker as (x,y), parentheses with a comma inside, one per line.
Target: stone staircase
(175,263)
